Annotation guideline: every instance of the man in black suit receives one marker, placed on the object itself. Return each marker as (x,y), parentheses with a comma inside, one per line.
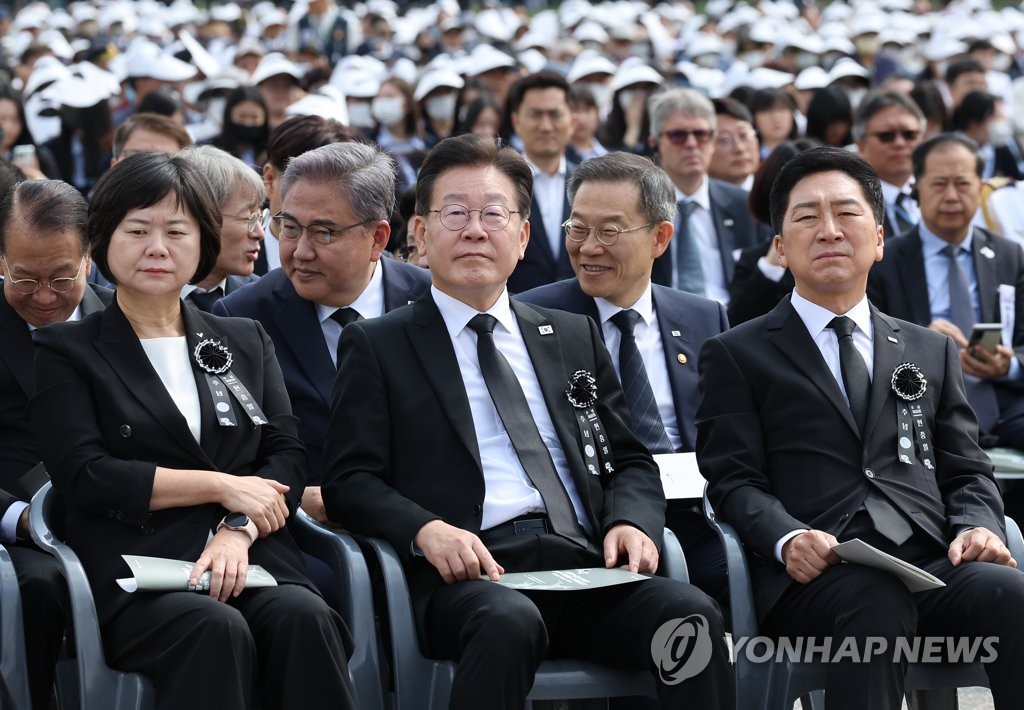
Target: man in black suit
(714,221)
(462,448)
(886,128)
(914,282)
(799,435)
(630,203)
(543,120)
(45,260)
(346,192)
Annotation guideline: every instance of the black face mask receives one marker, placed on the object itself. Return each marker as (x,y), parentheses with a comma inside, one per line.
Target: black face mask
(249,134)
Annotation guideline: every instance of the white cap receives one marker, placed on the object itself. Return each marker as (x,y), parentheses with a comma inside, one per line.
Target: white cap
(356,83)
(533,60)
(812,78)
(765,78)
(637,72)
(274,64)
(704,43)
(590,31)
(228,12)
(250,45)
(846,67)
(485,58)
(200,57)
(940,48)
(273,17)
(146,59)
(328,102)
(44,71)
(435,80)
(589,62)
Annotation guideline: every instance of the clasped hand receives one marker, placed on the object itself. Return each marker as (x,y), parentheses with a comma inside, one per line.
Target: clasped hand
(226,556)
(262,499)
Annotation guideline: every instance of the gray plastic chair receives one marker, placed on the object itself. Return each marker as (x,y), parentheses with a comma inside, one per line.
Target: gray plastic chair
(14,691)
(89,683)
(341,553)
(776,686)
(424,683)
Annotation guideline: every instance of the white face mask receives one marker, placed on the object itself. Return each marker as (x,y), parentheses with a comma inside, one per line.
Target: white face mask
(388,110)
(752,59)
(602,95)
(215,110)
(1000,132)
(626,99)
(855,96)
(360,115)
(441,108)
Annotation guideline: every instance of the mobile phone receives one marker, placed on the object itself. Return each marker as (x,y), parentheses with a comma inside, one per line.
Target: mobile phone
(24,156)
(986,335)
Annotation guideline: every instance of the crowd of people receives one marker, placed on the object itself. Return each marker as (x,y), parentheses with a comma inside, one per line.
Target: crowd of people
(400,266)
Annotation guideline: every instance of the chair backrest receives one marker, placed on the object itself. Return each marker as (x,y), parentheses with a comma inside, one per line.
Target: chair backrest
(99,685)
(342,554)
(1014,540)
(13,671)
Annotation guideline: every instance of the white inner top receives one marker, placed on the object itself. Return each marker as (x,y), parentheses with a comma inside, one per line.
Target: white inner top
(169,357)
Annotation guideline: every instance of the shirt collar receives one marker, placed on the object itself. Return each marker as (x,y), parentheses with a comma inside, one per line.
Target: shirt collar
(644,306)
(890,192)
(457,314)
(76,315)
(817,318)
(364,303)
(702,197)
(933,244)
(188,289)
(562,167)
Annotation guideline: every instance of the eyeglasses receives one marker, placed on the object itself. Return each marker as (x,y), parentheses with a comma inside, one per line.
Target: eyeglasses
(492,217)
(909,136)
(730,140)
(252,221)
(681,136)
(606,234)
(290,230)
(26,287)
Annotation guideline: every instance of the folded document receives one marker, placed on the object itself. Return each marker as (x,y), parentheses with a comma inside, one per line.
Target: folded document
(858,551)
(157,574)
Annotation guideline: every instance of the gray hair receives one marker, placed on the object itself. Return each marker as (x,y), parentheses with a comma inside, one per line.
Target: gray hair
(879,101)
(228,176)
(664,104)
(363,173)
(657,193)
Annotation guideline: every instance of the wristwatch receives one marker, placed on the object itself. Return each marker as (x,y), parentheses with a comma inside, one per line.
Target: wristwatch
(240,521)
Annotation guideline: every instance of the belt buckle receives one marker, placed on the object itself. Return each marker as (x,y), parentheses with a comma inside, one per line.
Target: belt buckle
(520,527)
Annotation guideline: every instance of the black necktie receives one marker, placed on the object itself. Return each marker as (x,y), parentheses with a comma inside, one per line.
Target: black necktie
(643,406)
(344,316)
(886,518)
(509,400)
(689,272)
(204,300)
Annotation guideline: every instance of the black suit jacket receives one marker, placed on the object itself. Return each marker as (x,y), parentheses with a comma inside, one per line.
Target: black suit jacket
(685,321)
(780,449)
(402,449)
(751,293)
(539,265)
(735,226)
(897,285)
(108,422)
(18,449)
(293,325)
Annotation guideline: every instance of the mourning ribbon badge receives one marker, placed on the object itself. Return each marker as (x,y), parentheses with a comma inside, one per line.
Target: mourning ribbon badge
(215,360)
(910,385)
(597,450)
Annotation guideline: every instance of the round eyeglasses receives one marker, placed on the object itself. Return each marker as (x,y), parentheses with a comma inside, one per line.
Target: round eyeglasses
(290,230)
(492,217)
(606,234)
(26,287)
(251,221)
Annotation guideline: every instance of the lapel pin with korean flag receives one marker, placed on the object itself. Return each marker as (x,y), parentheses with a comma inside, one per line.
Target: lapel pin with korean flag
(987,252)
(892,340)
(545,329)
(728,222)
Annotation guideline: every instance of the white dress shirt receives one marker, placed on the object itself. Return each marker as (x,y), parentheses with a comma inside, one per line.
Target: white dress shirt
(648,341)
(170,359)
(549,199)
(702,227)
(369,304)
(508,492)
(890,193)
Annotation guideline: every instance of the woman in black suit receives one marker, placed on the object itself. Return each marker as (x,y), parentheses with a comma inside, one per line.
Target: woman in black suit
(170,434)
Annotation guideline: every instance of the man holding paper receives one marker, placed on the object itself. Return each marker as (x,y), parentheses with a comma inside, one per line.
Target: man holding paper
(480,435)
(948,274)
(623,216)
(827,420)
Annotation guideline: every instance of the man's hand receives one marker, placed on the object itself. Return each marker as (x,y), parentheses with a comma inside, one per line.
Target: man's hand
(227,557)
(641,552)
(262,499)
(982,545)
(23,532)
(941,325)
(313,504)
(986,364)
(457,554)
(808,554)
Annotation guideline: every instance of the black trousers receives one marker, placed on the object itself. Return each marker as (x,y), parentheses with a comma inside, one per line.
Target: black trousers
(275,648)
(499,636)
(44,603)
(981,600)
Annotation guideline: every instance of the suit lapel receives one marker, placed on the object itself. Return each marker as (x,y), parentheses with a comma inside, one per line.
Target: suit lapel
(90,302)
(789,334)
(888,353)
(724,229)
(433,346)
(986,272)
(198,327)
(676,341)
(396,286)
(17,350)
(297,320)
(121,349)
(915,283)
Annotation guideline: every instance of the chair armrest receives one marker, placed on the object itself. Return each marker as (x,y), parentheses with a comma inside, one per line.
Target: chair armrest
(1014,540)
(673,561)
(741,597)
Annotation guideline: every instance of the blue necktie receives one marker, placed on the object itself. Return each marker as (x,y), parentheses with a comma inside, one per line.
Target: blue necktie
(689,272)
(904,222)
(643,407)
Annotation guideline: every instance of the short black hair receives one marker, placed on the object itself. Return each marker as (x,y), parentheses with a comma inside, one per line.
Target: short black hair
(920,155)
(963,66)
(469,150)
(976,108)
(824,160)
(299,134)
(530,82)
(759,201)
(142,180)
(45,207)
(726,106)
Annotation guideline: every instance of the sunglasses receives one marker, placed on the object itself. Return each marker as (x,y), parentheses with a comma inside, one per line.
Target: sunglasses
(909,136)
(681,136)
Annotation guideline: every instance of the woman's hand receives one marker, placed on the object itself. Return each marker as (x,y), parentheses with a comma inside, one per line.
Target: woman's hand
(262,499)
(227,558)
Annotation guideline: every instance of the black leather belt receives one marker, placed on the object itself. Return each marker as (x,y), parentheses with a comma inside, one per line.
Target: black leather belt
(534,523)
